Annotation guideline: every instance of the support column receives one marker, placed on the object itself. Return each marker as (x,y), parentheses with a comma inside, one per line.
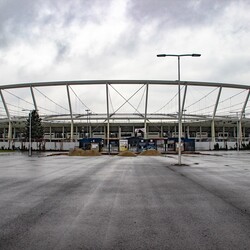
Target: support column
(213,131)
(10,131)
(245,104)
(4,134)
(8,115)
(200,132)
(90,131)
(145,115)
(63,132)
(120,132)
(223,132)
(188,132)
(107,102)
(214,113)
(183,106)
(241,117)
(33,98)
(240,132)
(14,135)
(50,130)
(71,115)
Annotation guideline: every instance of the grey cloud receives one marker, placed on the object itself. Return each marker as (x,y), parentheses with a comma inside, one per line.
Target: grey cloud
(223,70)
(18,11)
(62,50)
(176,12)
(14,18)
(33,23)
(18,18)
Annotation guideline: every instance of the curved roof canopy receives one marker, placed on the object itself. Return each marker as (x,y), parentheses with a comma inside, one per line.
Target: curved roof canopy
(125,100)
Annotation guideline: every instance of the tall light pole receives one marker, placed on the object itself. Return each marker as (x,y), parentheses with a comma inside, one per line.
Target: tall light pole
(179,97)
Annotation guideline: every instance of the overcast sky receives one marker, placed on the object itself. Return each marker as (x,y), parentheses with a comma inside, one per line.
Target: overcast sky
(47,40)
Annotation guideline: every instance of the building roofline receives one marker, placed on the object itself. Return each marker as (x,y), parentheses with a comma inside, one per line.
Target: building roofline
(100,82)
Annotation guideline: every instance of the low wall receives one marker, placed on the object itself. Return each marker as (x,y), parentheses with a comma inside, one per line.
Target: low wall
(201,146)
(66,146)
(58,146)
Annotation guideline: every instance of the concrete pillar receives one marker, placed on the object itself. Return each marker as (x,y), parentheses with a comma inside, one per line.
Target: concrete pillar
(119,132)
(50,133)
(4,134)
(145,115)
(10,131)
(240,133)
(200,132)
(63,132)
(71,114)
(14,133)
(108,116)
(213,131)
(188,135)
(90,131)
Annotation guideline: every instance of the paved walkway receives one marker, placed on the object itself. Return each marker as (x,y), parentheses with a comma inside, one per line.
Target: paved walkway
(113,202)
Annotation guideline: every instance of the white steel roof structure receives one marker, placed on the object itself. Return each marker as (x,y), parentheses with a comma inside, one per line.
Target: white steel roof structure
(125,101)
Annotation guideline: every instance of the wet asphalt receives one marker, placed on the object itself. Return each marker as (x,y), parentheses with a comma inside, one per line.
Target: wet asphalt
(113,202)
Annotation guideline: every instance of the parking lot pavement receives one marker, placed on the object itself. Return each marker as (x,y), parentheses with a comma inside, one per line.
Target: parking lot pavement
(112,202)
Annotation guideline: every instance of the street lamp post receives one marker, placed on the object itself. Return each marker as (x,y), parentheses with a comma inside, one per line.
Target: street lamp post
(179,97)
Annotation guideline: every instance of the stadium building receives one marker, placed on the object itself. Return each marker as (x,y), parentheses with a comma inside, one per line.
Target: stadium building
(114,110)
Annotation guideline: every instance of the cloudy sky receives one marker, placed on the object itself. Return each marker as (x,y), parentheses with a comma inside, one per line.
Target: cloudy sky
(47,40)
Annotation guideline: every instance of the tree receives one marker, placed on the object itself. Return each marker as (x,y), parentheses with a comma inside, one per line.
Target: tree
(36,126)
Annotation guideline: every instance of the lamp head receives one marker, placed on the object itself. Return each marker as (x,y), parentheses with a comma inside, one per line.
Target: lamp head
(196,55)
